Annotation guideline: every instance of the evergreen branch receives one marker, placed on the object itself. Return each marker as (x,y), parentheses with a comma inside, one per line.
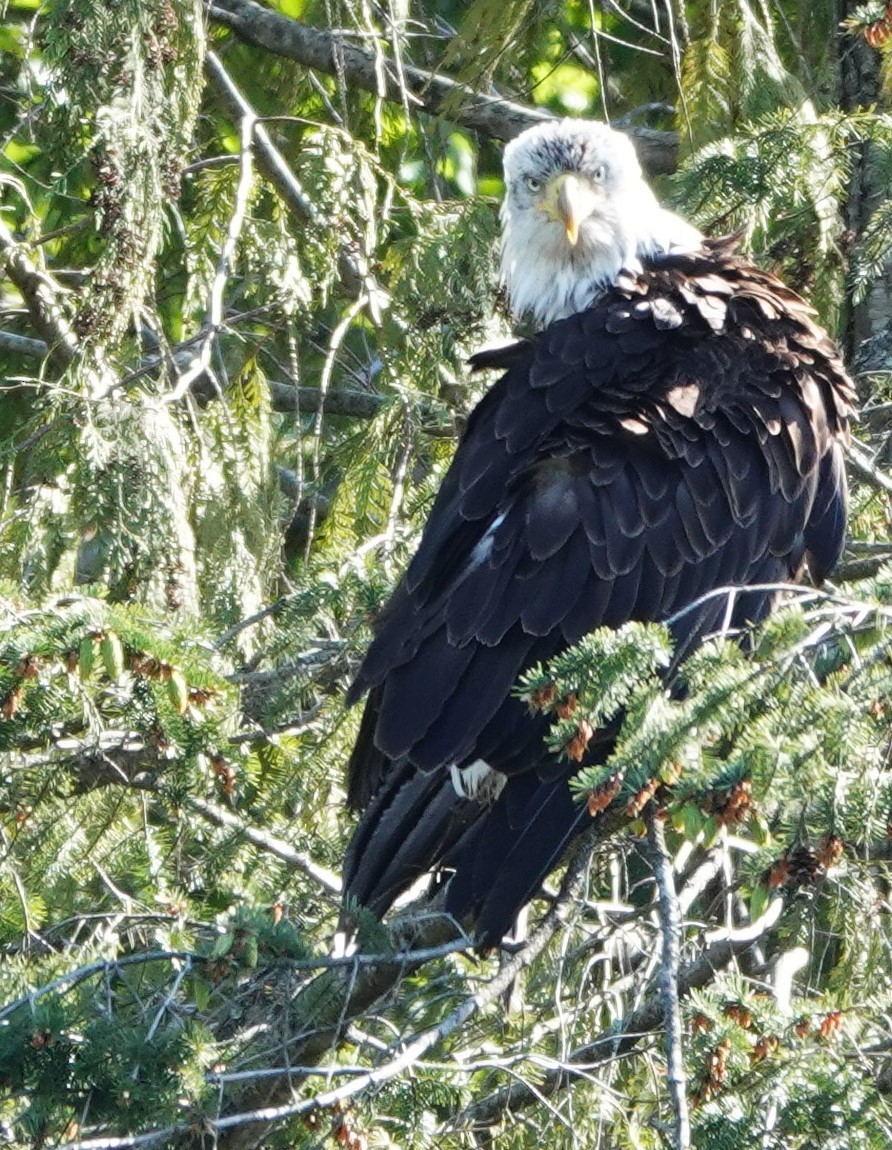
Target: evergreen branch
(429,92)
(670,931)
(621,1039)
(94,766)
(74,978)
(362,981)
(271,163)
(244,1123)
(802,593)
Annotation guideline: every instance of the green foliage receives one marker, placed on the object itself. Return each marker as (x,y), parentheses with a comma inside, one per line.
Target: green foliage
(136,69)
(780,180)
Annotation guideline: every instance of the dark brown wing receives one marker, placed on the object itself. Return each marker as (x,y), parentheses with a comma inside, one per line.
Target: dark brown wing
(676,438)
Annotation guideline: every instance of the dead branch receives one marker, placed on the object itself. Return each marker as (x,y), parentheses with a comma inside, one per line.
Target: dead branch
(866,469)
(670,932)
(271,163)
(620,1040)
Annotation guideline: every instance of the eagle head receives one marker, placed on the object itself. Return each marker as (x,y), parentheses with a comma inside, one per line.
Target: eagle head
(576,213)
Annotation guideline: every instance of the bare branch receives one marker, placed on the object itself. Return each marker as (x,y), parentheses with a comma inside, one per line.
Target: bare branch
(428,92)
(270,843)
(23,345)
(670,931)
(272,165)
(865,468)
(877,418)
(616,1041)
(75,977)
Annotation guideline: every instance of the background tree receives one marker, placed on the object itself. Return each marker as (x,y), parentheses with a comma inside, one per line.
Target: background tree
(244,253)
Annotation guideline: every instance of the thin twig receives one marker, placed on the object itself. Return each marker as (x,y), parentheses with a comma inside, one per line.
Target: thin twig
(271,163)
(213,323)
(337,338)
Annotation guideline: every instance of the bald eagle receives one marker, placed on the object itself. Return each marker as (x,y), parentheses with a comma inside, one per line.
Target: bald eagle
(675,427)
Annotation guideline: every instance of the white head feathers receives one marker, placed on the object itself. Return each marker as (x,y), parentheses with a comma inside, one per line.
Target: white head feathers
(577,212)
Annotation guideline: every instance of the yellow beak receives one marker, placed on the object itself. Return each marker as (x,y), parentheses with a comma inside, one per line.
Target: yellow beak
(571,201)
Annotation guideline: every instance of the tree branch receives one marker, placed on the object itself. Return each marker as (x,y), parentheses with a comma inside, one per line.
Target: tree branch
(273,1102)
(865,468)
(352,404)
(670,932)
(272,164)
(41,295)
(428,92)
(23,344)
(620,1040)
(270,843)
(307,400)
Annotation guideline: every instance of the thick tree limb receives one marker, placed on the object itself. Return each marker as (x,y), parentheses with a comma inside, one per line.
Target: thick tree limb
(23,345)
(353,404)
(307,400)
(853,570)
(41,296)
(323,51)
